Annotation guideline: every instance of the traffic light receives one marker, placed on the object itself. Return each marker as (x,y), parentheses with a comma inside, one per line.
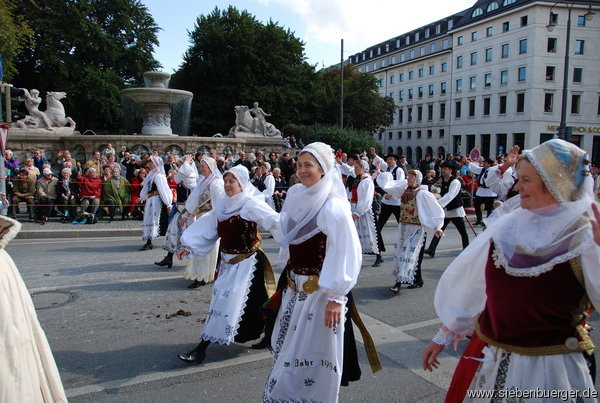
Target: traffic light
(17,106)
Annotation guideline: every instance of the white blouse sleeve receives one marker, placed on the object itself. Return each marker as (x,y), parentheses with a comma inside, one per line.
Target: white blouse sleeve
(590,260)
(460,295)
(185,170)
(145,190)
(391,186)
(475,168)
(343,254)
(431,214)
(346,169)
(500,183)
(255,209)
(383,165)
(453,190)
(191,204)
(163,189)
(365,192)
(200,237)
(270,187)
(217,190)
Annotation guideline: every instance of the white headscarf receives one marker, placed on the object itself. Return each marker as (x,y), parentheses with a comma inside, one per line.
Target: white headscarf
(158,169)
(187,174)
(302,204)
(205,181)
(230,206)
(531,242)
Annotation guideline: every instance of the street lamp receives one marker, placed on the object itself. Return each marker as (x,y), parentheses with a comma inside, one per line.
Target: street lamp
(562,129)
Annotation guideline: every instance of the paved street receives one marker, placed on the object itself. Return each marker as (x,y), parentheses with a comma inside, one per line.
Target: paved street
(108,313)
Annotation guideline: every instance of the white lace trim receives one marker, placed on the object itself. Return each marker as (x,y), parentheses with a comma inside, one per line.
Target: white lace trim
(444,336)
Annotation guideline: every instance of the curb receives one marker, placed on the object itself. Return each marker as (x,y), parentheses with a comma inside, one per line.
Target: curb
(78,233)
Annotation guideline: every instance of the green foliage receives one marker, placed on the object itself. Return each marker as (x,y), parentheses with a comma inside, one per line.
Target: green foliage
(15,35)
(348,140)
(90,49)
(233,60)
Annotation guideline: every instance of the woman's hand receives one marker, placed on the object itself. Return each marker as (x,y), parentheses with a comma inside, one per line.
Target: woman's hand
(430,354)
(439,233)
(182,222)
(182,253)
(333,314)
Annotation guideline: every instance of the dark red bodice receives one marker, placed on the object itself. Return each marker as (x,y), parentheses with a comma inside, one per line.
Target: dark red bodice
(237,235)
(307,257)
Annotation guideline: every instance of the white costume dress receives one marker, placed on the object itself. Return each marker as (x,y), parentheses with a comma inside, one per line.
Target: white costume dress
(365,225)
(411,230)
(155,189)
(186,179)
(28,372)
(307,355)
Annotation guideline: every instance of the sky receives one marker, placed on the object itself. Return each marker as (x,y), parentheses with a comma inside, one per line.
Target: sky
(320,24)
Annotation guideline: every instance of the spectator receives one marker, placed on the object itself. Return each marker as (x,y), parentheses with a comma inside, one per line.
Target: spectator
(122,153)
(213,154)
(426,165)
(137,206)
(117,193)
(75,171)
(273,161)
(286,163)
(46,195)
(67,192)
(259,160)
(23,191)
(62,157)
(89,196)
(38,159)
(32,171)
(264,182)
(109,150)
(11,163)
(94,162)
(106,173)
(130,164)
(171,163)
(429,179)
(280,189)
(110,161)
(243,161)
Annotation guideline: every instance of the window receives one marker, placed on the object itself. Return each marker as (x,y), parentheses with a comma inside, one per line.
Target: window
(408,135)
(522,73)
(579,44)
(438,28)
(473,58)
(548,102)
(401,77)
(420,92)
(383,63)
(575,100)
(457,109)
(409,116)
(524,21)
(429,133)
(471,107)
(577,74)
(477,12)
(429,112)
(410,94)
(445,44)
(427,33)
(522,46)
(407,40)
(374,66)
(418,134)
(459,41)
(472,82)
(432,48)
(420,72)
(489,31)
(431,70)
(459,62)
(390,135)
(507,2)
(430,90)
(486,106)
(391,79)
(502,105)
(393,59)
(399,135)
(443,88)
(473,36)
(551,45)
(550,73)
(387,47)
(505,51)
(402,57)
(553,18)
(392,95)
(504,77)
(381,82)
(444,67)
(581,20)
(422,51)
(442,110)
(441,133)
(520,102)
(419,113)
(487,80)
(412,53)
(367,68)
(493,6)
(400,115)
(459,85)
(505,26)
(488,55)
(371,53)
(417,36)
(379,136)
(411,75)
(401,95)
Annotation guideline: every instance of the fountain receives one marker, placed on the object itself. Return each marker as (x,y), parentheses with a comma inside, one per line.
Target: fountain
(161,104)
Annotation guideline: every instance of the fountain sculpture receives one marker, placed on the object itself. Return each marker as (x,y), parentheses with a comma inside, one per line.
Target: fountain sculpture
(159,103)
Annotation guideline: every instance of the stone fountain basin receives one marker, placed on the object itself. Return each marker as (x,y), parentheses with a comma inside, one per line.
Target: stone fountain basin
(156,95)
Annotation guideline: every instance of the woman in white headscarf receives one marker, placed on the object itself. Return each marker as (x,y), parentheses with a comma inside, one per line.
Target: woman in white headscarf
(419,211)
(361,202)
(523,287)
(239,291)
(210,188)
(319,237)
(159,198)
(186,179)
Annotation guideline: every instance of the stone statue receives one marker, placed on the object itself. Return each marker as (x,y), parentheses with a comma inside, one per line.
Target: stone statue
(247,125)
(52,118)
(32,102)
(56,111)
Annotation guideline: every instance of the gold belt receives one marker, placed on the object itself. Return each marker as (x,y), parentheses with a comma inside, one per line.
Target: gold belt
(246,255)
(311,285)
(155,193)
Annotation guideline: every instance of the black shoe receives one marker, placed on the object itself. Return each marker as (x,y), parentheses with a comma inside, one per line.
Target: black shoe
(415,285)
(146,246)
(264,343)
(396,288)
(197,284)
(167,261)
(378,262)
(429,252)
(196,356)
(477,223)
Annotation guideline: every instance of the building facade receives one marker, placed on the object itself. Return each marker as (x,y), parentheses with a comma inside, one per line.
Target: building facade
(490,77)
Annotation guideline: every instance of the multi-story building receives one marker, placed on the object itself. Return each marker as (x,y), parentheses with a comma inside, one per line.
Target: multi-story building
(490,77)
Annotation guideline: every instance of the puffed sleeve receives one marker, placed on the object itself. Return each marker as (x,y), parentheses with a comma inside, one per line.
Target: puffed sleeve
(164,190)
(217,190)
(365,192)
(383,165)
(145,189)
(185,170)
(500,183)
(200,237)
(431,214)
(590,260)
(255,209)
(347,169)
(475,168)
(343,253)
(394,187)
(269,187)
(460,294)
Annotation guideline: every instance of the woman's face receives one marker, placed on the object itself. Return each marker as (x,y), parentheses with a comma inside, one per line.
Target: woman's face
(358,170)
(530,186)
(410,179)
(92,174)
(232,186)
(142,174)
(66,175)
(309,170)
(106,171)
(116,173)
(204,169)
(150,166)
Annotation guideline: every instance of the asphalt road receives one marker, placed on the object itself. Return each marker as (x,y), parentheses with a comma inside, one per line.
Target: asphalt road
(108,314)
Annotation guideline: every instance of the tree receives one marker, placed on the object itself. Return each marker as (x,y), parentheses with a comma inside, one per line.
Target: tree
(90,49)
(364,108)
(15,35)
(233,60)
(348,140)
